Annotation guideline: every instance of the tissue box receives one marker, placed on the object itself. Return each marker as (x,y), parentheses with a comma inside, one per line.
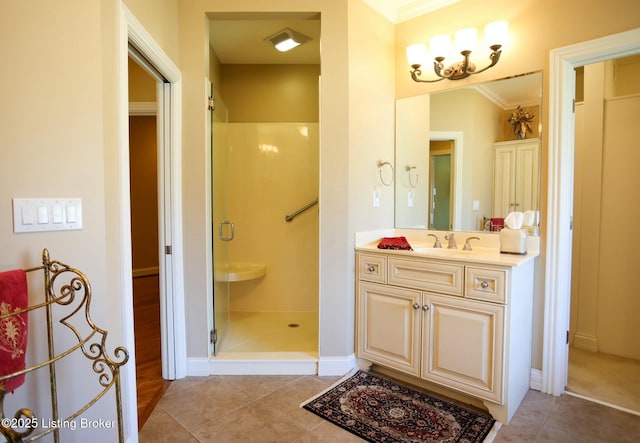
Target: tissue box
(513,241)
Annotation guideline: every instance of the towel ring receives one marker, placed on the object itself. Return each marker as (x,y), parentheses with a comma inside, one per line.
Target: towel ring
(382,163)
(409,168)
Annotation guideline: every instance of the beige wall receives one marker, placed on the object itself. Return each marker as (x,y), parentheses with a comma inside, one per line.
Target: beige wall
(144,194)
(142,87)
(271,93)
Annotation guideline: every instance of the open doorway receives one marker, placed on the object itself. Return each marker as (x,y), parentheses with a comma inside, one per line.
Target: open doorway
(264,179)
(135,42)
(143,179)
(440,184)
(563,62)
(604,356)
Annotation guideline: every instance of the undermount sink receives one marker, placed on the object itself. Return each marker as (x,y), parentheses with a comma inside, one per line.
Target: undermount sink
(239,271)
(446,252)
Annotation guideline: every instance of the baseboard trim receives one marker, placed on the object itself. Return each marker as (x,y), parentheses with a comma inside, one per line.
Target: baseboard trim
(197,367)
(585,342)
(333,366)
(264,363)
(535,382)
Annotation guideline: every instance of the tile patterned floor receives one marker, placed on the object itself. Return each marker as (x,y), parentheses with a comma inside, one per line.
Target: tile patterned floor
(227,409)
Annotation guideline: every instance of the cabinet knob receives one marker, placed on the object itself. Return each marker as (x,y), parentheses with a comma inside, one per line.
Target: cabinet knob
(371,268)
(416,306)
(484,284)
(425,308)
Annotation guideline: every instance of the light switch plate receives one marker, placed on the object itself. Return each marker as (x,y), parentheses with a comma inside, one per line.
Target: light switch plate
(46,214)
(376,198)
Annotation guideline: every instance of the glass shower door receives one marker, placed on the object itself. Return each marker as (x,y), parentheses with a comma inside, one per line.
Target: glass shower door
(222,228)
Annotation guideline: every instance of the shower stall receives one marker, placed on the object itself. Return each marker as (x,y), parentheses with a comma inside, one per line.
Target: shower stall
(265,245)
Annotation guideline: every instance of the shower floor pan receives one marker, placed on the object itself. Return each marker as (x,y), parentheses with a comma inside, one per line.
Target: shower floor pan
(268,343)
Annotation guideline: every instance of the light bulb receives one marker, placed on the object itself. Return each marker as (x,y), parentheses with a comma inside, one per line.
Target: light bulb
(440,46)
(416,54)
(496,33)
(466,39)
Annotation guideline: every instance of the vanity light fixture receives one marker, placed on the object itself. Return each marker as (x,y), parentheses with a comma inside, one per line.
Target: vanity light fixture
(495,35)
(287,39)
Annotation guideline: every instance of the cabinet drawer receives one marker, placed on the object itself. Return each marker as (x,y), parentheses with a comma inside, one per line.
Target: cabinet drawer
(372,268)
(486,284)
(431,276)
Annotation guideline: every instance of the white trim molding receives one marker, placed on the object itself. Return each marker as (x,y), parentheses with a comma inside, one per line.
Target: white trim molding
(143,109)
(332,366)
(535,382)
(264,363)
(198,367)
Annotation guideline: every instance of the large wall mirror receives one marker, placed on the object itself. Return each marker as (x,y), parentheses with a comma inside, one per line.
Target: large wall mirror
(459,160)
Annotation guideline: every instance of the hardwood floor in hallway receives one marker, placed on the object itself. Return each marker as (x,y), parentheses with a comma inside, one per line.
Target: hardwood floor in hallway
(146,308)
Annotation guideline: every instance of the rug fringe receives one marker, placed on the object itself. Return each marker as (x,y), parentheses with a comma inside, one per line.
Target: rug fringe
(349,374)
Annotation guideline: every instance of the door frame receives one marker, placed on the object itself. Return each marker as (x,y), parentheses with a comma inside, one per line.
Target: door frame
(457,159)
(169,112)
(557,280)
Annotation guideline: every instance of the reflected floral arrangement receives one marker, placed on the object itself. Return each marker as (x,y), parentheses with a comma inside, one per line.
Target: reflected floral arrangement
(521,122)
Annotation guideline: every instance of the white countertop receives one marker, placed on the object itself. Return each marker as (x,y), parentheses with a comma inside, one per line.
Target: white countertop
(486,250)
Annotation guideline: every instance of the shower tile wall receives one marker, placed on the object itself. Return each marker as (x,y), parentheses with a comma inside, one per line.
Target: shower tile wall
(273,171)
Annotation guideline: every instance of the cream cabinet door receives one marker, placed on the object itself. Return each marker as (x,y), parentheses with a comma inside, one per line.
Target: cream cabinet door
(516,179)
(464,345)
(504,185)
(389,326)
(527,176)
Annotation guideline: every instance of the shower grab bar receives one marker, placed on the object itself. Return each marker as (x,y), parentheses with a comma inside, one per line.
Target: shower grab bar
(290,217)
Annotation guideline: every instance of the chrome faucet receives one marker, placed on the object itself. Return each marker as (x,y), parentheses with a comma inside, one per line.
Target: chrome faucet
(452,241)
(437,242)
(467,245)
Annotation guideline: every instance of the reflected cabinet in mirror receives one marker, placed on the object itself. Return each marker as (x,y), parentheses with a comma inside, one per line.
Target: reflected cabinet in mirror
(468,155)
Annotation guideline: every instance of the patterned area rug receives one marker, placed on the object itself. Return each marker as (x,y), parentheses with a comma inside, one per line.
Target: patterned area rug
(378,409)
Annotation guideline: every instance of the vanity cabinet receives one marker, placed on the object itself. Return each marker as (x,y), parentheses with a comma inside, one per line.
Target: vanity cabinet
(516,176)
(465,326)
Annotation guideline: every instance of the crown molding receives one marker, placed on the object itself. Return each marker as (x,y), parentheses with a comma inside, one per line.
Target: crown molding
(397,11)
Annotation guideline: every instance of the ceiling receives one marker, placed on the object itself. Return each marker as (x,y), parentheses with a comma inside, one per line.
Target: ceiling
(239,38)
(397,11)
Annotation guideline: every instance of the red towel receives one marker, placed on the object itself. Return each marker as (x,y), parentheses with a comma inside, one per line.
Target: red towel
(13,329)
(395,243)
